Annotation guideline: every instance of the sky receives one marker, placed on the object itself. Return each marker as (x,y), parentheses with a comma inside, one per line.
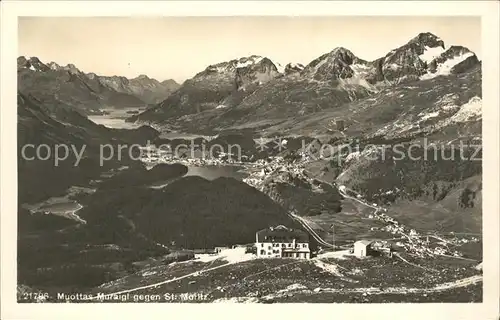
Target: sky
(179,47)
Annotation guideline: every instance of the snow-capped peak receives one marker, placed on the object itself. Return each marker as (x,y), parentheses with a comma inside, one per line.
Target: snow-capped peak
(54,66)
(246,61)
(279,67)
(72,68)
(234,64)
(293,68)
(297,65)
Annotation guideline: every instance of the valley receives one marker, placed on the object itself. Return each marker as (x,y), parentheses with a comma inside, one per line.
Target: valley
(245,145)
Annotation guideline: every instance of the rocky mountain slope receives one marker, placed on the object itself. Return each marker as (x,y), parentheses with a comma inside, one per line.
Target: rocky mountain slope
(218,87)
(60,125)
(87,92)
(148,90)
(330,82)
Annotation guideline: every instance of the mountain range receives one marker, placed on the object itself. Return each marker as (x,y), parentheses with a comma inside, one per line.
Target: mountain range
(254,92)
(87,93)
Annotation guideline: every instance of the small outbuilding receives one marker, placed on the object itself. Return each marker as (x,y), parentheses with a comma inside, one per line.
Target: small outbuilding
(340,125)
(362,248)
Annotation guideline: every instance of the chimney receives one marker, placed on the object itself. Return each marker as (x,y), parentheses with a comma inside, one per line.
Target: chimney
(340,125)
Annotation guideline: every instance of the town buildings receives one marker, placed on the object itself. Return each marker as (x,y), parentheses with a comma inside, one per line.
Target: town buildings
(282,242)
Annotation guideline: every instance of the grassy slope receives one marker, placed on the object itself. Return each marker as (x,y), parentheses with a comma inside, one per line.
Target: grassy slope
(266,277)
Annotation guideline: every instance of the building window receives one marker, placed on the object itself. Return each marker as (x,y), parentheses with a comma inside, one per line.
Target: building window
(262,245)
(262,252)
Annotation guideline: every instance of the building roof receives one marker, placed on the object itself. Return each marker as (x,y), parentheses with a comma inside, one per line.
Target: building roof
(364,242)
(296,250)
(281,234)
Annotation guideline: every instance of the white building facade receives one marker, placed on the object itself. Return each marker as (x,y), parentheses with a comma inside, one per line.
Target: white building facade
(282,242)
(362,248)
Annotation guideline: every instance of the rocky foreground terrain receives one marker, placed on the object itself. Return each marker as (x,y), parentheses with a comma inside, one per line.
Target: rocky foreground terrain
(388,149)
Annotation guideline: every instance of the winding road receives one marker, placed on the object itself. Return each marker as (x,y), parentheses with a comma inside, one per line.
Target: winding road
(314,234)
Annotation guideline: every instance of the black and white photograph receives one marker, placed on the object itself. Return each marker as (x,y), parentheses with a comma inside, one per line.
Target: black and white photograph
(260,159)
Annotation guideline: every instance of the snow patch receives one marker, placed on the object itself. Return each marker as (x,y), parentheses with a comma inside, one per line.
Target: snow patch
(296,65)
(340,255)
(360,69)
(230,255)
(280,67)
(248,62)
(431,53)
(352,82)
(445,67)
(424,116)
(394,66)
(322,62)
(32,68)
(221,106)
(447,102)
(468,111)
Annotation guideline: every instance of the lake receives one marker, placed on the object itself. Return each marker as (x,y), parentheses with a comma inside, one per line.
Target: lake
(210,173)
(61,206)
(214,172)
(116,118)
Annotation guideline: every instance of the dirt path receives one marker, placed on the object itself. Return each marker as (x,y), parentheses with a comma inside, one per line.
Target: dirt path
(196,273)
(390,290)
(412,264)
(402,290)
